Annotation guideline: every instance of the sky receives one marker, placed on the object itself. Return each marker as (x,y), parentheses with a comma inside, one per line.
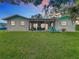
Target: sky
(25,10)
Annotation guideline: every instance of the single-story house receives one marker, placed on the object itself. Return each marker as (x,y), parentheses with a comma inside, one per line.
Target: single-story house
(20,23)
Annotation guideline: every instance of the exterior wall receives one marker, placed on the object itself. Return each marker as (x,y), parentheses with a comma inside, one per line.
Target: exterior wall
(70,27)
(18,26)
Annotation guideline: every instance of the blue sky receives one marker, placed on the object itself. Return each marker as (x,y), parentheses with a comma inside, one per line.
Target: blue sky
(24,10)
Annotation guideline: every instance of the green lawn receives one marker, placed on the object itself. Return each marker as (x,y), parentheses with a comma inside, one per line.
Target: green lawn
(39,45)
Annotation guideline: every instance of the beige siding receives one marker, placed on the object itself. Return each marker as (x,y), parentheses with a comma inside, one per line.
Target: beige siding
(18,26)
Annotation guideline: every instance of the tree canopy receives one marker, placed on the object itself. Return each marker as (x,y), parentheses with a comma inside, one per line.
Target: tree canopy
(77,2)
(17,2)
(35,2)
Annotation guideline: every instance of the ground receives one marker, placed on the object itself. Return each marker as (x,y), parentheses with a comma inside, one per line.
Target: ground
(39,45)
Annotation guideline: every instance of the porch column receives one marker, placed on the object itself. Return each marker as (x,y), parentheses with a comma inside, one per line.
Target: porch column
(46,27)
(36,25)
(30,26)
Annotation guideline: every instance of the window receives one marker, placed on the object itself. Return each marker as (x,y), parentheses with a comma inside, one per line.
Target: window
(12,22)
(22,23)
(63,23)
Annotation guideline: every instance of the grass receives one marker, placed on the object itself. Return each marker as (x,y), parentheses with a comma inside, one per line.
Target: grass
(39,45)
(77,27)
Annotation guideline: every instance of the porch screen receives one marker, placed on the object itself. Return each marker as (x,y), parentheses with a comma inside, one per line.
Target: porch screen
(35,25)
(51,24)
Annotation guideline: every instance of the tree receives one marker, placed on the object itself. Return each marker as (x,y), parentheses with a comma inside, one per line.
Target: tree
(77,2)
(74,12)
(35,2)
(56,4)
(39,16)
(17,2)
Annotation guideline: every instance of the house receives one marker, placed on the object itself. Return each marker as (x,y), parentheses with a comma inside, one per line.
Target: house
(20,23)
(17,23)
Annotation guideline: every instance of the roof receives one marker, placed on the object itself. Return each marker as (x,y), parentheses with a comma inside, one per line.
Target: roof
(64,18)
(41,19)
(14,16)
(30,19)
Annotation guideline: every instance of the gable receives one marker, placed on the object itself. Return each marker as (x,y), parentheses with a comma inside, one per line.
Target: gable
(14,17)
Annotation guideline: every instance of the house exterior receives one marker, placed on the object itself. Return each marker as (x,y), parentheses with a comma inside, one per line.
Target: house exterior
(20,23)
(64,23)
(17,23)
